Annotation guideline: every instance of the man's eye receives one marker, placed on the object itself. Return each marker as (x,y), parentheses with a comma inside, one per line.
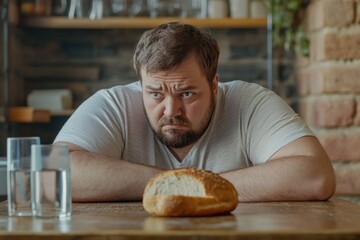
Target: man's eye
(155,95)
(187,94)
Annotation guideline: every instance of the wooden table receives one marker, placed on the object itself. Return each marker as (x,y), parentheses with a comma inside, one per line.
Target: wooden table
(334,219)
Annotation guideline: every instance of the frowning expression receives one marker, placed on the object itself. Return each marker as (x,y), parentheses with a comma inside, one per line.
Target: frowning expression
(179,103)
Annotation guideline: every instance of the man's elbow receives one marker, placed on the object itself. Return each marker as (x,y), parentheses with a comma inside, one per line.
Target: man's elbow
(325,187)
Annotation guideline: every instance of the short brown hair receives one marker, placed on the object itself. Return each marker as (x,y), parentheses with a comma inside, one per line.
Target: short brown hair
(168,45)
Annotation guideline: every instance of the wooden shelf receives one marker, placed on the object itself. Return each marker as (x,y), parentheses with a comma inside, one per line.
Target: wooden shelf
(66,112)
(26,114)
(137,22)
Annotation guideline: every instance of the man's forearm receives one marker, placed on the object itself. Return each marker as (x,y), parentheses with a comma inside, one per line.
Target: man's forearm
(99,178)
(294,178)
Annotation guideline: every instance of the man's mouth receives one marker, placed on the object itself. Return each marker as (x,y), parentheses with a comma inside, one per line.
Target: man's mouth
(172,123)
(173,126)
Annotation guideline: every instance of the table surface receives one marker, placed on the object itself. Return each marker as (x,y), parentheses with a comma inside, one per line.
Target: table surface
(335,219)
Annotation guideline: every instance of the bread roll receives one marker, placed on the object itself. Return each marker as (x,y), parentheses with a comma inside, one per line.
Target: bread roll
(189,192)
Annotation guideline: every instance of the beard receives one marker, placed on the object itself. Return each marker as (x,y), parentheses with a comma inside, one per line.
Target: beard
(179,138)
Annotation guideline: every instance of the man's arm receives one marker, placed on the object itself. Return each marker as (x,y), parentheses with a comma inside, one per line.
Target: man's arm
(97,177)
(299,171)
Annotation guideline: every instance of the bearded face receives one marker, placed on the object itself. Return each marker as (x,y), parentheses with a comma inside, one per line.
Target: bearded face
(179,103)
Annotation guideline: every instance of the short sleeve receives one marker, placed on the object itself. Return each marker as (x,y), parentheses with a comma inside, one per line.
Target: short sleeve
(271,124)
(95,126)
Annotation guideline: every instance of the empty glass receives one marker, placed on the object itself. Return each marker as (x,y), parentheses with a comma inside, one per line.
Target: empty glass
(139,8)
(120,7)
(96,9)
(165,8)
(194,8)
(86,8)
(59,7)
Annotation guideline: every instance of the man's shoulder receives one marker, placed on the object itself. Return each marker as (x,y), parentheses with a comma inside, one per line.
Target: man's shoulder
(241,88)
(127,94)
(121,91)
(130,87)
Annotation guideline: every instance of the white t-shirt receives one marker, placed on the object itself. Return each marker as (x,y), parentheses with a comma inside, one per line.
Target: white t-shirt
(249,125)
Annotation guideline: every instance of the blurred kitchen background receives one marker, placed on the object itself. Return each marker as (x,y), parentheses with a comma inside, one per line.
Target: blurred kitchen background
(56,53)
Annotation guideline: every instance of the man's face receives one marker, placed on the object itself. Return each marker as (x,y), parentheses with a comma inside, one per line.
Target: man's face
(179,103)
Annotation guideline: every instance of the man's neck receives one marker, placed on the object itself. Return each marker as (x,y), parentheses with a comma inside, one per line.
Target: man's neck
(180,153)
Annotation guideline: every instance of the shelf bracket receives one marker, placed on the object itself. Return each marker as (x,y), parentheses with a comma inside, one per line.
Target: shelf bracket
(269,47)
(5,63)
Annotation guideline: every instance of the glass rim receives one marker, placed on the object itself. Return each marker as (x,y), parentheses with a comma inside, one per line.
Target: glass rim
(23,138)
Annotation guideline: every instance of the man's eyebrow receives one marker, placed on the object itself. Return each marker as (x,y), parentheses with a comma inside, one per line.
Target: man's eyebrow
(185,88)
(178,88)
(153,87)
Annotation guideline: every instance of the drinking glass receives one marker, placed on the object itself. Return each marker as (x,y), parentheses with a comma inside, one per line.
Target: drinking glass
(139,8)
(51,189)
(18,175)
(165,8)
(120,7)
(59,7)
(194,9)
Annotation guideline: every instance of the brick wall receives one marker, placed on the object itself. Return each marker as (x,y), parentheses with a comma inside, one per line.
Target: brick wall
(329,86)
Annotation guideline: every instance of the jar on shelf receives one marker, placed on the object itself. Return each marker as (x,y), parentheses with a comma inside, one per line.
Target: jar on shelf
(35,7)
(218,9)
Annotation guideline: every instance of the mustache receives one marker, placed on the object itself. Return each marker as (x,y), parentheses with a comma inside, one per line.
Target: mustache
(176,120)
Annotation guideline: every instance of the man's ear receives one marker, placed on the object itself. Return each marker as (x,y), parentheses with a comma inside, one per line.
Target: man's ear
(215,83)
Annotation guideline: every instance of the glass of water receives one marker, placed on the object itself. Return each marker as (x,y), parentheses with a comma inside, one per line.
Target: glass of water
(18,175)
(51,188)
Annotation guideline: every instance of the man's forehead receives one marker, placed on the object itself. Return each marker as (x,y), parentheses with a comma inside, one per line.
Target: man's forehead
(168,84)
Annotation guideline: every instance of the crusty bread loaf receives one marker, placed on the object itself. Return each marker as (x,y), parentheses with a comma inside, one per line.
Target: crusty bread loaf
(189,192)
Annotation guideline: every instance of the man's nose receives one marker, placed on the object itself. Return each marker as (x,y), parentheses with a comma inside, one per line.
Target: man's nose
(172,107)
